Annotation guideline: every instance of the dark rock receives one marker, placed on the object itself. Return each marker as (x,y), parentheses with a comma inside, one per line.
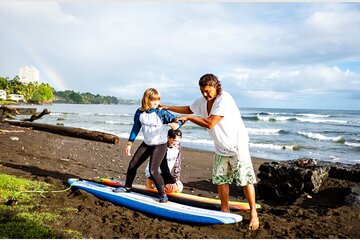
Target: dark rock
(344,171)
(288,180)
(353,198)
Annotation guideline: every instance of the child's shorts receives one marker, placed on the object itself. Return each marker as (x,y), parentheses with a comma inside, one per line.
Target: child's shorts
(174,187)
(169,188)
(229,168)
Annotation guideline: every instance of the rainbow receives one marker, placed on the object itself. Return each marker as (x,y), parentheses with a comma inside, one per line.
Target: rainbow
(48,73)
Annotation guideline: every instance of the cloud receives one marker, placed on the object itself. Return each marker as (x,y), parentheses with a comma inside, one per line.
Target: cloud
(274,51)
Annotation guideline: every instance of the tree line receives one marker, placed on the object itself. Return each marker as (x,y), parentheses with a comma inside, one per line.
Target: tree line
(44,93)
(32,92)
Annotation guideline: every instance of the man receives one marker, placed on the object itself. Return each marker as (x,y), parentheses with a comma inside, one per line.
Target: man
(221,116)
(170,167)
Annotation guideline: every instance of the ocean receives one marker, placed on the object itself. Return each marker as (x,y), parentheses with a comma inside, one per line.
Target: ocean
(275,133)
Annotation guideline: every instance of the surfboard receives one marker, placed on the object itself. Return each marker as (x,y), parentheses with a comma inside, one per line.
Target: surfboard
(183,198)
(150,205)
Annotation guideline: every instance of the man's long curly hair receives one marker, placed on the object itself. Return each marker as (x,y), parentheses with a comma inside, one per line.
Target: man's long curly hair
(211,80)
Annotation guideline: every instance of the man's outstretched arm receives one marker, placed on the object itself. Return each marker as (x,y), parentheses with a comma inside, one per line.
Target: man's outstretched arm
(209,122)
(177,109)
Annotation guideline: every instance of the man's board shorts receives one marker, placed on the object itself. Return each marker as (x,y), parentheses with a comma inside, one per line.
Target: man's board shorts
(229,168)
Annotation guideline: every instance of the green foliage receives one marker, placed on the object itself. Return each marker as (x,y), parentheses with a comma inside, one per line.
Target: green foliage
(44,93)
(15,229)
(69,96)
(4,83)
(24,220)
(33,92)
(11,186)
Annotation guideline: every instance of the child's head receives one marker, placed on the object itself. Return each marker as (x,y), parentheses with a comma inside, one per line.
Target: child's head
(174,137)
(151,99)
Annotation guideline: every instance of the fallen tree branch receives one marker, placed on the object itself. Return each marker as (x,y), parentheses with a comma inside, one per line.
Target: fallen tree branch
(35,117)
(69,131)
(7,112)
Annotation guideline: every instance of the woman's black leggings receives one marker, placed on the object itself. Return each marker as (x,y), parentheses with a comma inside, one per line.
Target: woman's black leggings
(156,154)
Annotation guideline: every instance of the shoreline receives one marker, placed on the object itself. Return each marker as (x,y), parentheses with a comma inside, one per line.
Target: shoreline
(52,158)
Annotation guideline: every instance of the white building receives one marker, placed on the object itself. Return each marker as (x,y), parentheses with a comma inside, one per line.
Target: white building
(29,74)
(3,94)
(16,97)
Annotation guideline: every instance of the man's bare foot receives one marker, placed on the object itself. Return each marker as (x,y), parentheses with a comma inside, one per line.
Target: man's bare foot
(225,209)
(254,221)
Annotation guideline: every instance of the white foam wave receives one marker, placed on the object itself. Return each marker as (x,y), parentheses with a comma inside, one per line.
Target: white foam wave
(117,123)
(56,114)
(258,131)
(352,144)
(125,135)
(274,118)
(198,141)
(317,120)
(318,136)
(313,115)
(274,146)
(102,114)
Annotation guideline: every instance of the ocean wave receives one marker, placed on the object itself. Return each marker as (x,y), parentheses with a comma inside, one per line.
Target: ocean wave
(198,141)
(313,115)
(250,118)
(276,118)
(320,120)
(269,117)
(318,136)
(353,144)
(56,114)
(105,114)
(113,123)
(275,146)
(264,131)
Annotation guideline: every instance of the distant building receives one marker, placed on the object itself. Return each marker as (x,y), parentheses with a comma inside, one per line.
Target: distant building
(29,75)
(3,94)
(16,97)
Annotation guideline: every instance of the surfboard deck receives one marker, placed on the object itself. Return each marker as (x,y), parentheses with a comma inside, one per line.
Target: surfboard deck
(150,205)
(183,198)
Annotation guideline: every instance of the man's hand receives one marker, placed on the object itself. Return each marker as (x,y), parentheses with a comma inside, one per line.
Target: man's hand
(184,119)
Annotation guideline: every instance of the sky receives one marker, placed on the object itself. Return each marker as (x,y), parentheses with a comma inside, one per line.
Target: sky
(273,55)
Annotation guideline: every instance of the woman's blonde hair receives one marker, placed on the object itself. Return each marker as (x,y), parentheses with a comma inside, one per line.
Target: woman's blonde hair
(149,95)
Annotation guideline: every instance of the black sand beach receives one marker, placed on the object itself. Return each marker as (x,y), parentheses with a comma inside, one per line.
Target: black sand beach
(52,158)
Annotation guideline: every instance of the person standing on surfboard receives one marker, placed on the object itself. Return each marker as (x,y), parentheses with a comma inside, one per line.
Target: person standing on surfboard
(170,166)
(221,116)
(154,123)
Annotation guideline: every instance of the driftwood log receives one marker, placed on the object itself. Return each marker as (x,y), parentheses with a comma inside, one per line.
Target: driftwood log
(69,131)
(7,112)
(35,117)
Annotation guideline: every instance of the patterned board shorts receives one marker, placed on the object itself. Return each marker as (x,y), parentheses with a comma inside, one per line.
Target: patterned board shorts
(229,168)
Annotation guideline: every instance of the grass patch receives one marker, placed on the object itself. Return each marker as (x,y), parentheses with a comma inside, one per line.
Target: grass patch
(18,188)
(21,220)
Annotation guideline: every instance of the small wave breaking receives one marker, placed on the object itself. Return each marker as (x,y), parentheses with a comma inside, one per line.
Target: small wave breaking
(318,136)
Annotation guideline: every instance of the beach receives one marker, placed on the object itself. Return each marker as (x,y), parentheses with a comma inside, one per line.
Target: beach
(52,158)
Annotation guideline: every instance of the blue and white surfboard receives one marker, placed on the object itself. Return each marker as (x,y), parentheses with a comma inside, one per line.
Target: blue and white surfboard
(149,205)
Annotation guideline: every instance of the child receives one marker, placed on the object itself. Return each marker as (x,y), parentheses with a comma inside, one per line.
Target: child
(170,166)
(154,124)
